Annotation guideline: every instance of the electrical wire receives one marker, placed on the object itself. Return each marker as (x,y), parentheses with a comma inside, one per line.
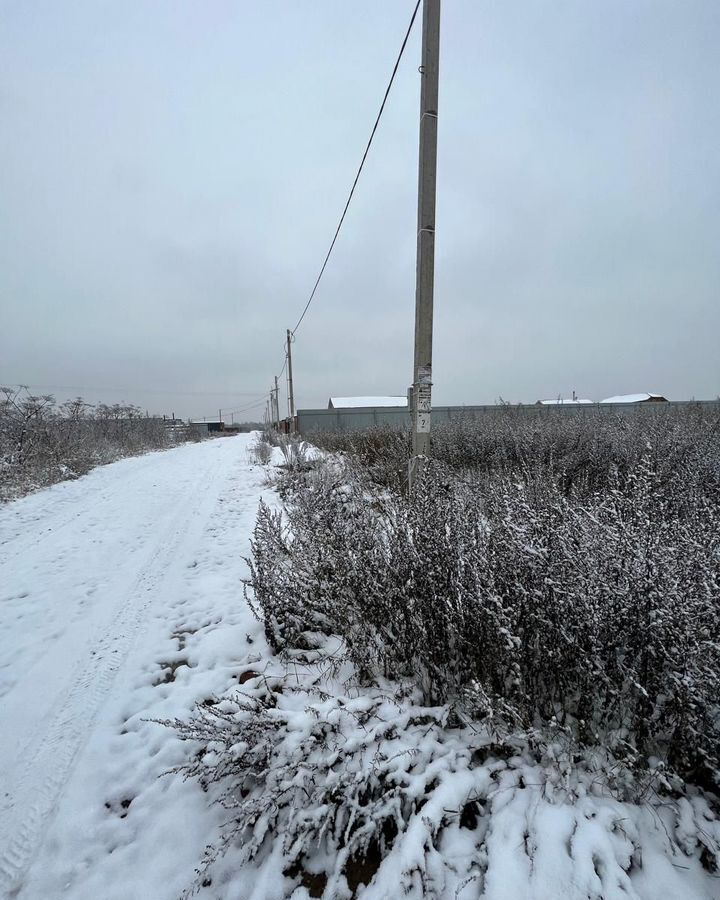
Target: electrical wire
(242,409)
(238,409)
(258,400)
(246,408)
(362,163)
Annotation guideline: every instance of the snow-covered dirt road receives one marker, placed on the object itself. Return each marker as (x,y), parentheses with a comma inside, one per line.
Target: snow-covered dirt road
(120,600)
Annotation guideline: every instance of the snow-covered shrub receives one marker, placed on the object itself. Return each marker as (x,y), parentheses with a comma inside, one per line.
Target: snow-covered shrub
(337,792)
(42,443)
(582,452)
(323,784)
(383,451)
(613,604)
(521,603)
(261,451)
(294,451)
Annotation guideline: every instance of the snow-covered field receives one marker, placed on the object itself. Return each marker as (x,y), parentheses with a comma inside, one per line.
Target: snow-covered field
(120,601)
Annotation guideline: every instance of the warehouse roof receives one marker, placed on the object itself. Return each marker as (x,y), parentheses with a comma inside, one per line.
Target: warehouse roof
(633,398)
(356,402)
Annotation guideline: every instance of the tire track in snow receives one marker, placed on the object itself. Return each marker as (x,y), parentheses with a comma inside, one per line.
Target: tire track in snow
(39,777)
(13,547)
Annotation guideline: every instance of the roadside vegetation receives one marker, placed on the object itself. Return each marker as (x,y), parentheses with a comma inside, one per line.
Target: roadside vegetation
(42,443)
(539,616)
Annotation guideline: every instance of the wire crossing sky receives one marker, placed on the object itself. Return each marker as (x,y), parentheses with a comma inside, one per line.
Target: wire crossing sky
(359,171)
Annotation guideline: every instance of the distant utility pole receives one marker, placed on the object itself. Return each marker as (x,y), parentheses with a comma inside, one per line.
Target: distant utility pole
(291,396)
(273,410)
(277,403)
(425,269)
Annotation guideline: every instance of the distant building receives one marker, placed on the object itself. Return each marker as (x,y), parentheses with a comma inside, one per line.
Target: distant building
(636,398)
(207,427)
(360,402)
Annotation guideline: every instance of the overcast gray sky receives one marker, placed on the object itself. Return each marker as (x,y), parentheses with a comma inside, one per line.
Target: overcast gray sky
(171,174)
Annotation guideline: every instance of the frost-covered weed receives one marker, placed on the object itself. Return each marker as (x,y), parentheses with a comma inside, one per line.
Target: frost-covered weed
(529,637)
(261,451)
(382,450)
(294,451)
(582,453)
(42,443)
(369,793)
(521,599)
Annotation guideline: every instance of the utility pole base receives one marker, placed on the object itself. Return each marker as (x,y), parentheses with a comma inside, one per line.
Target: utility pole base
(415,470)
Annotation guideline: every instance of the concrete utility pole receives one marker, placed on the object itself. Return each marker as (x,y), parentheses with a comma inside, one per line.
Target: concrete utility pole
(274,417)
(277,404)
(425,270)
(291,396)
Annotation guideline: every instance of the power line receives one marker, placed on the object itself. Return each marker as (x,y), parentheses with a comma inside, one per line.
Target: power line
(237,409)
(362,163)
(259,399)
(247,408)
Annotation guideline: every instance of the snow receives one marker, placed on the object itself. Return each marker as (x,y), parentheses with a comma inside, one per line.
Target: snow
(632,398)
(358,402)
(121,603)
(541,832)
